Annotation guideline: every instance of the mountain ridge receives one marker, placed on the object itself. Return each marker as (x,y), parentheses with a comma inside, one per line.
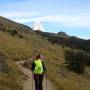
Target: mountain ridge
(70,41)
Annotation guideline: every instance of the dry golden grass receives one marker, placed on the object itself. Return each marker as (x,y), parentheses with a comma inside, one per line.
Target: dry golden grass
(11,80)
(15,48)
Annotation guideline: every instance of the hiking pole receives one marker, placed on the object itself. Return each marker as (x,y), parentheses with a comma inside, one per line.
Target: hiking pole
(32,81)
(46,82)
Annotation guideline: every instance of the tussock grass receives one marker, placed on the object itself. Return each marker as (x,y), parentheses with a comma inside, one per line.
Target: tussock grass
(15,48)
(12,79)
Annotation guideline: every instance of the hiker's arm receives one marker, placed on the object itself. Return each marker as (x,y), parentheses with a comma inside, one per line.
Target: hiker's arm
(44,68)
(32,66)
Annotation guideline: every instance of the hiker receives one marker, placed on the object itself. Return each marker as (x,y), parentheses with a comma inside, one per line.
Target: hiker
(38,68)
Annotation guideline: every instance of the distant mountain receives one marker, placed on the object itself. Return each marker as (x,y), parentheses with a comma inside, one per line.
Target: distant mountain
(62,38)
(62,34)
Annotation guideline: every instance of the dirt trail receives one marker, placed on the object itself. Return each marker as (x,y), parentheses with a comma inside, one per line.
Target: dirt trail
(28,82)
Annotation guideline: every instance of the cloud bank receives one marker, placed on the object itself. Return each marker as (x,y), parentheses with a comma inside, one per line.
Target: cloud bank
(25,12)
(81,20)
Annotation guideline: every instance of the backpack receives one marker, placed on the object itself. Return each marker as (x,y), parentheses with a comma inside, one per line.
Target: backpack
(38,67)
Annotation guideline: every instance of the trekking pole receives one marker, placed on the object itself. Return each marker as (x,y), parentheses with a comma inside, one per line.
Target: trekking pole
(32,81)
(46,82)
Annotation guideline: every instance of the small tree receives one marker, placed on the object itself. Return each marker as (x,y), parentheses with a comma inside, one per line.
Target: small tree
(20,36)
(1,25)
(13,32)
(75,60)
(87,59)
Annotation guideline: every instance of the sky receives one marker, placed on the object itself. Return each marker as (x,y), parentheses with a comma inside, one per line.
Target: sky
(70,16)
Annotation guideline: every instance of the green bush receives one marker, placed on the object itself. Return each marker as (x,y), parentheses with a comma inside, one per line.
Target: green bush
(75,60)
(13,32)
(87,59)
(20,36)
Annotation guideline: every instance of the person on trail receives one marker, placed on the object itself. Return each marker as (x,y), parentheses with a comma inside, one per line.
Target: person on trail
(38,68)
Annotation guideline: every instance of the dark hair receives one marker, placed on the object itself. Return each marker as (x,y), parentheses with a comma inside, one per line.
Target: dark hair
(38,56)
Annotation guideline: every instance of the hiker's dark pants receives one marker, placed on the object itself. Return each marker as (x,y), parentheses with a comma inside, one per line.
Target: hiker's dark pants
(38,81)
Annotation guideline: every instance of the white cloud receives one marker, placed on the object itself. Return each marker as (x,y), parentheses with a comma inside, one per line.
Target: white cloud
(27,20)
(81,20)
(24,14)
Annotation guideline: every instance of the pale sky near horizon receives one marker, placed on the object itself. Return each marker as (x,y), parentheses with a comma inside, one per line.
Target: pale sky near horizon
(70,16)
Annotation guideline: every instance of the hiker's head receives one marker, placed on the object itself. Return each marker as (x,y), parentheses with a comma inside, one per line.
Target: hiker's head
(38,56)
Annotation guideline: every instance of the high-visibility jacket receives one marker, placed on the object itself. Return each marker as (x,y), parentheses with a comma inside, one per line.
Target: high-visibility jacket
(38,67)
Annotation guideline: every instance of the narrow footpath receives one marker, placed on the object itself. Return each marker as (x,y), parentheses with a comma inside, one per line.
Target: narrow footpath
(28,82)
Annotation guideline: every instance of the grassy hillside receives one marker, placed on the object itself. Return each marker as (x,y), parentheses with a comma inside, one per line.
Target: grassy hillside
(63,39)
(15,48)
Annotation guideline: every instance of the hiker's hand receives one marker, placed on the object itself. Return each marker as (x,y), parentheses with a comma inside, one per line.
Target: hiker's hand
(32,75)
(45,74)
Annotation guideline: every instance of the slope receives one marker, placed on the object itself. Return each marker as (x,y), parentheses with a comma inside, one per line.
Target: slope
(15,48)
(63,39)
